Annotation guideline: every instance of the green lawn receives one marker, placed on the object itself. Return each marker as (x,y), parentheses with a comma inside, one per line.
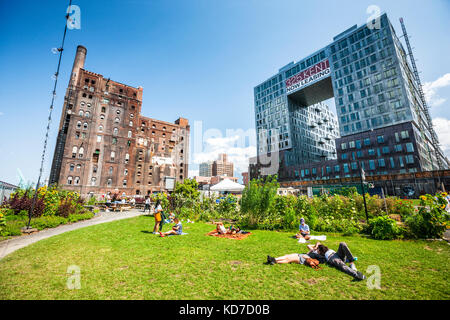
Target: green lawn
(123,260)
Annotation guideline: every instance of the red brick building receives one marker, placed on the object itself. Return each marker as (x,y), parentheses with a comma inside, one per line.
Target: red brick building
(105,145)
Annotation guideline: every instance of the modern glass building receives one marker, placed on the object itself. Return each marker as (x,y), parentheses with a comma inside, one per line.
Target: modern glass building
(380,114)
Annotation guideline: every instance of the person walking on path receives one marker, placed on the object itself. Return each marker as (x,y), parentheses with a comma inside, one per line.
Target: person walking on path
(147,204)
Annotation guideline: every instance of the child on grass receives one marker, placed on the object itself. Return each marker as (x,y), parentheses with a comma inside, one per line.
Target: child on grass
(176,230)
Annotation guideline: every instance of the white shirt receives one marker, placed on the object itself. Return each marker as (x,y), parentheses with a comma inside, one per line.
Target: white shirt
(158,208)
(329,253)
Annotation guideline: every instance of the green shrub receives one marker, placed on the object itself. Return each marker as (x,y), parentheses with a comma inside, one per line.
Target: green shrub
(384,228)
(431,218)
(81,216)
(45,222)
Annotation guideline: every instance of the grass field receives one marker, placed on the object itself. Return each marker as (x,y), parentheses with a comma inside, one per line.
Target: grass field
(123,260)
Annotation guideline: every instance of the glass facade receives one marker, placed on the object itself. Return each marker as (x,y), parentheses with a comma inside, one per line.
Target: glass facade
(367,73)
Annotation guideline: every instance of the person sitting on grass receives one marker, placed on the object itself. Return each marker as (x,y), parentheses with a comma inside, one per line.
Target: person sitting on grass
(303,230)
(176,230)
(337,259)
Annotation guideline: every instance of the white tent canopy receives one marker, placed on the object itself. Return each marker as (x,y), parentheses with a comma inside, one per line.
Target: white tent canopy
(228,185)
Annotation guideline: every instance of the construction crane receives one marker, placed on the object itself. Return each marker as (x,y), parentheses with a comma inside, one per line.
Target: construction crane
(434,138)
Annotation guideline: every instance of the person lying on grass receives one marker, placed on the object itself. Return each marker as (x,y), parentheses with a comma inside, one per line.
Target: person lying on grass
(336,259)
(220,228)
(298,258)
(303,230)
(177,229)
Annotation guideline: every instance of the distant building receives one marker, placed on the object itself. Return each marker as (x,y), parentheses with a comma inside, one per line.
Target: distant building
(245,178)
(205,169)
(222,167)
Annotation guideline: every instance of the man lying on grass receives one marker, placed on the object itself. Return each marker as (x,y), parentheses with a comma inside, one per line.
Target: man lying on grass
(322,254)
(336,259)
(176,230)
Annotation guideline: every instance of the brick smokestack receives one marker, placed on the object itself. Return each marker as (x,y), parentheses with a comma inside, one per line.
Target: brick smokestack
(78,63)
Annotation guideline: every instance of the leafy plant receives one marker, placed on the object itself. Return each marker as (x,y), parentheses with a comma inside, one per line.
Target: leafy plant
(431,219)
(384,228)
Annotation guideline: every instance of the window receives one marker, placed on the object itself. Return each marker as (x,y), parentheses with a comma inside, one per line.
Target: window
(381,163)
(78,167)
(409,147)
(102,116)
(344,146)
(81,113)
(372,164)
(100,128)
(81,152)
(351,144)
(109,182)
(115,131)
(127,158)
(114,140)
(78,124)
(74,152)
(117,120)
(76,181)
(405,134)
(130,134)
(113,155)
(99,138)
(87,114)
(72,167)
(124,183)
(131,123)
(69,180)
(93,180)
(110,170)
(385,150)
(380,139)
(367,142)
(371,152)
(125,172)
(409,159)
(85,126)
(398,148)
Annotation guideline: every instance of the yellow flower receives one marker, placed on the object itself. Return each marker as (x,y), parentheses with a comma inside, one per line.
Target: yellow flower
(444,194)
(423,198)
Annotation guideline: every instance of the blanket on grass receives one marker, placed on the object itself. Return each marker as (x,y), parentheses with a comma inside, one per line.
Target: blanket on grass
(237,236)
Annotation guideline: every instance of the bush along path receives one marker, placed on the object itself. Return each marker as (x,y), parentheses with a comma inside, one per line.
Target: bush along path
(11,245)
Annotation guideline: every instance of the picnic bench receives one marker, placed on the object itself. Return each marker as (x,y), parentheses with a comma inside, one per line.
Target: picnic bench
(115,207)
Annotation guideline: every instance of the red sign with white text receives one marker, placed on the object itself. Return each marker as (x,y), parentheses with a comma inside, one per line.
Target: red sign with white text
(308,76)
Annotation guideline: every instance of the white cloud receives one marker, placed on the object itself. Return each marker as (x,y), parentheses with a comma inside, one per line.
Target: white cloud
(237,154)
(193,173)
(442,128)
(430,90)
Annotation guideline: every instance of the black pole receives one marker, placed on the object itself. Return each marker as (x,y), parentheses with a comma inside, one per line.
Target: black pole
(364,194)
(60,50)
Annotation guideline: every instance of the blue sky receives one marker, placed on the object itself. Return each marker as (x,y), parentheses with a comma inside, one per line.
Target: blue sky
(199,59)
